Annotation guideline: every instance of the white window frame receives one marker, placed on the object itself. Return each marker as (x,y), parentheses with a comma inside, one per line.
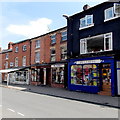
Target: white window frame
(24,47)
(114,15)
(6,64)
(108,35)
(24,61)
(86,22)
(37,58)
(63,52)
(83,50)
(11,64)
(37,44)
(52,39)
(16,62)
(16,49)
(63,35)
(53,55)
(6,56)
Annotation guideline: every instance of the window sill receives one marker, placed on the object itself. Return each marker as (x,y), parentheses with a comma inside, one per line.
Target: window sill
(87,26)
(111,19)
(37,47)
(95,52)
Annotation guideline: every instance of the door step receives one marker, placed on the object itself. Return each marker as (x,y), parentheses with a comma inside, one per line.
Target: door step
(104,93)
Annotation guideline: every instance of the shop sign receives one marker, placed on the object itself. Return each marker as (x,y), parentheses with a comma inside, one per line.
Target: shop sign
(58,65)
(89,61)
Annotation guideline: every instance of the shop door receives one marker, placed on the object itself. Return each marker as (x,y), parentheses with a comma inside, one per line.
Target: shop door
(106,79)
(48,76)
(41,76)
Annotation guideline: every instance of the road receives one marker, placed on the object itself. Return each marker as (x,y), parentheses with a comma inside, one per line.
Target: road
(20,104)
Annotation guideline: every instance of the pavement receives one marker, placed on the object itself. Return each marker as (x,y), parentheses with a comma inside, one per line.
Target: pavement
(103,100)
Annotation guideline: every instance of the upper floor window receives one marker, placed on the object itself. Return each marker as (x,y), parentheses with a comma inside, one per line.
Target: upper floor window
(37,57)
(16,62)
(24,61)
(53,39)
(24,47)
(6,65)
(63,52)
(6,56)
(64,35)
(97,43)
(37,43)
(112,12)
(16,49)
(53,54)
(86,21)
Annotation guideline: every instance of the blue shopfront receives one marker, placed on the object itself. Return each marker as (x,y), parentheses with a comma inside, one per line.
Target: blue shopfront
(93,75)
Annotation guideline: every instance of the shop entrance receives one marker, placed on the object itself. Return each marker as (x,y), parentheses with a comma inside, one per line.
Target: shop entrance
(106,79)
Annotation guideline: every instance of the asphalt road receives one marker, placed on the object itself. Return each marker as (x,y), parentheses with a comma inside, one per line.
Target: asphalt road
(20,104)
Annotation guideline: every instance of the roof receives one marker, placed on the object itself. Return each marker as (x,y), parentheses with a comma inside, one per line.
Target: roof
(6,50)
(40,35)
(114,1)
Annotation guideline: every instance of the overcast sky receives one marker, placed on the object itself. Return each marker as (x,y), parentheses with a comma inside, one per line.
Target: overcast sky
(23,20)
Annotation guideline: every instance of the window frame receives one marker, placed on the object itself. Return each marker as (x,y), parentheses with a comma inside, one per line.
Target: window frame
(6,56)
(16,61)
(53,55)
(37,60)
(63,35)
(85,42)
(64,53)
(115,15)
(37,44)
(24,48)
(53,39)
(16,49)
(86,22)
(24,61)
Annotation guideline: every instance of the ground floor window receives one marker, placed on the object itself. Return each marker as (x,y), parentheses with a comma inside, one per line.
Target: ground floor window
(35,75)
(58,75)
(85,74)
(21,76)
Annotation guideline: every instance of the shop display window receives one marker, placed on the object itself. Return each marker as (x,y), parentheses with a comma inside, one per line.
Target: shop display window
(85,74)
(58,75)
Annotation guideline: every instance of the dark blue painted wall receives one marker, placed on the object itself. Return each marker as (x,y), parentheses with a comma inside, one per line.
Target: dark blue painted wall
(100,27)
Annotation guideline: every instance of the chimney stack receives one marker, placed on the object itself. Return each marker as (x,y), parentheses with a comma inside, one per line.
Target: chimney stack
(86,7)
(10,45)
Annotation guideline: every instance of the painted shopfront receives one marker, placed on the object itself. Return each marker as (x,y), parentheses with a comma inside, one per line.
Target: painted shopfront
(93,75)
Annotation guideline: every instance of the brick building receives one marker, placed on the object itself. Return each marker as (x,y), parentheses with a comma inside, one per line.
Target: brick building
(48,58)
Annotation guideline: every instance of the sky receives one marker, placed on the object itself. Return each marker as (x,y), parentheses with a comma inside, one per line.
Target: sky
(23,20)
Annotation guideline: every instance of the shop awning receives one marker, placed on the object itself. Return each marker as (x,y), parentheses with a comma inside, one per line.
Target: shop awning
(8,70)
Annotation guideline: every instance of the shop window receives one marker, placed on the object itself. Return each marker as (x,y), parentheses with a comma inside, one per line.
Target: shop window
(53,56)
(21,76)
(97,43)
(64,35)
(86,21)
(58,75)
(64,53)
(84,75)
(112,12)
(37,43)
(53,39)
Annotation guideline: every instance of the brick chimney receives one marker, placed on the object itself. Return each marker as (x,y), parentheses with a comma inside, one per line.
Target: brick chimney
(10,45)
(86,7)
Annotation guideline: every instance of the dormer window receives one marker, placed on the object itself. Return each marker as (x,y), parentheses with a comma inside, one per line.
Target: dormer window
(112,12)
(86,21)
